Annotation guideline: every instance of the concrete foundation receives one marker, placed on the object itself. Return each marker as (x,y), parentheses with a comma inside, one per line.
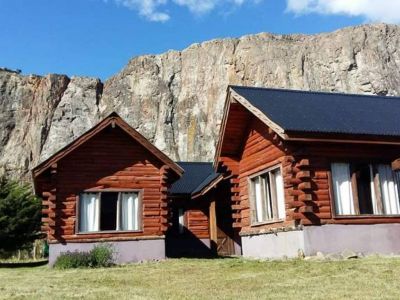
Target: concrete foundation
(365,239)
(279,245)
(125,251)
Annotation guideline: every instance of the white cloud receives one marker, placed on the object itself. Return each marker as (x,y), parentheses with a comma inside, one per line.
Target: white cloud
(147,8)
(198,6)
(372,10)
(156,10)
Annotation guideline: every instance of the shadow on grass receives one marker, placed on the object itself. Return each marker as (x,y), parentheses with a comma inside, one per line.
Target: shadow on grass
(24,264)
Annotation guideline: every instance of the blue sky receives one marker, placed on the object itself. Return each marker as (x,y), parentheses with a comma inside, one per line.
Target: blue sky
(98,37)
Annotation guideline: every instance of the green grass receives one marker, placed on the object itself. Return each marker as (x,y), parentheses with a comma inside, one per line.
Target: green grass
(367,278)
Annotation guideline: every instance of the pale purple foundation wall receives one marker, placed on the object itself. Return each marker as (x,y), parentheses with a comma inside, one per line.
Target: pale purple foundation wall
(125,251)
(366,239)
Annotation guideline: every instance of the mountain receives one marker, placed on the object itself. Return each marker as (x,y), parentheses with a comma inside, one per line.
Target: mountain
(175,99)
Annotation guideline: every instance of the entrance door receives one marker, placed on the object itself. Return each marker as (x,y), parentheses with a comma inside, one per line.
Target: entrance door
(225,244)
(221,231)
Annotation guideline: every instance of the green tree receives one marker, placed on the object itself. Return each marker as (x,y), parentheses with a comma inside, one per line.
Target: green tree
(20,214)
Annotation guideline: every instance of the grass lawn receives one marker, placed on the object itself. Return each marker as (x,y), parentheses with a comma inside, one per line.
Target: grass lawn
(367,278)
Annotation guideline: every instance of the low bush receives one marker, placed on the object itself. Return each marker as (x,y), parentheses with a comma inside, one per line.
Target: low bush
(70,260)
(100,256)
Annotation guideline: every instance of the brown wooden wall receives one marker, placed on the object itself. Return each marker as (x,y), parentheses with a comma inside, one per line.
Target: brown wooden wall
(262,149)
(197,220)
(251,147)
(313,161)
(196,216)
(111,159)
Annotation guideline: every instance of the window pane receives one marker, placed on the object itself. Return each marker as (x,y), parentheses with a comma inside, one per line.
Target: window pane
(389,190)
(260,202)
(181,220)
(108,211)
(89,212)
(364,192)
(280,194)
(129,211)
(342,189)
(267,197)
(374,189)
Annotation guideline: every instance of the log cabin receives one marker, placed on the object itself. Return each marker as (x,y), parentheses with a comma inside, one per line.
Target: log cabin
(109,185)
(311,172)
(112,186)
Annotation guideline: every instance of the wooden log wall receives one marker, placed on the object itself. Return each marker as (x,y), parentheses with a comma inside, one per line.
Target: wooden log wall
(228,162)
(312,183)
(196,216)
(197,219)
(261,149)
(111,159)
(305,169)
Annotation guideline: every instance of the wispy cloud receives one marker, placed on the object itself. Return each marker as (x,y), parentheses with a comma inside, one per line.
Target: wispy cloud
(372,10)
(147,8)
(157,10)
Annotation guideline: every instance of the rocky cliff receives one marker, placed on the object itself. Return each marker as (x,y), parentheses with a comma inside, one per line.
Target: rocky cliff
(175,99)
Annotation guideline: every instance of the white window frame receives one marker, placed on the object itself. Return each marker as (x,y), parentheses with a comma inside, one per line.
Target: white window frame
(118,210)
(376,195)
(278,208)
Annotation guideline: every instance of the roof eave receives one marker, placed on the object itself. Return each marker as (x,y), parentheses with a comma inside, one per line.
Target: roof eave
(258,113)
(222,128)
(208,187)
(302,136)
(111,119)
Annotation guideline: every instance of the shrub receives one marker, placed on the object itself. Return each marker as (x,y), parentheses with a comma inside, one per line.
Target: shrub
(20,213)
(100,256)
(71,260)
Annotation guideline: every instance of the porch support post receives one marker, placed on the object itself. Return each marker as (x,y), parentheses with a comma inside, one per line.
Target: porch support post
(213,225)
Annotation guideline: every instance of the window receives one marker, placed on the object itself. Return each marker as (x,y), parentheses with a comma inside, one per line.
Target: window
(109,211)
(267,197)
(365,189)
(181,220)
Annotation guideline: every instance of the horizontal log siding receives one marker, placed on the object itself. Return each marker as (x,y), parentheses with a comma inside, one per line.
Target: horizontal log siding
(111,159)
(197,219)
(306,169)
(261,149)
(228,161)
(319,157)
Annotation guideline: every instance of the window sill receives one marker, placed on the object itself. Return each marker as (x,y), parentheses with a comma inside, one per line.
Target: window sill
(109,231)
(365,216)
(267,223)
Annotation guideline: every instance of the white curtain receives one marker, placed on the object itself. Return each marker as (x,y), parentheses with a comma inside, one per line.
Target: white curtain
(129,211)
(259,200)
(266,197)
(373,191)
(389,190)
(280,195)
(181,216)
(89,212)
(342,189)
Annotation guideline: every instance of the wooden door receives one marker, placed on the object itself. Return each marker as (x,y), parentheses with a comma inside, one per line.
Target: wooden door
(221,231)
(225,244)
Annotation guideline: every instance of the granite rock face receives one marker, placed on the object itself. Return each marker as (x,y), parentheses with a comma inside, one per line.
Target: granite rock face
(175,99)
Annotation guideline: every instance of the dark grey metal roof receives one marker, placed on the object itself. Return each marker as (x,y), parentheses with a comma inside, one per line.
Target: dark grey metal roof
(321,112)
(197,176)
